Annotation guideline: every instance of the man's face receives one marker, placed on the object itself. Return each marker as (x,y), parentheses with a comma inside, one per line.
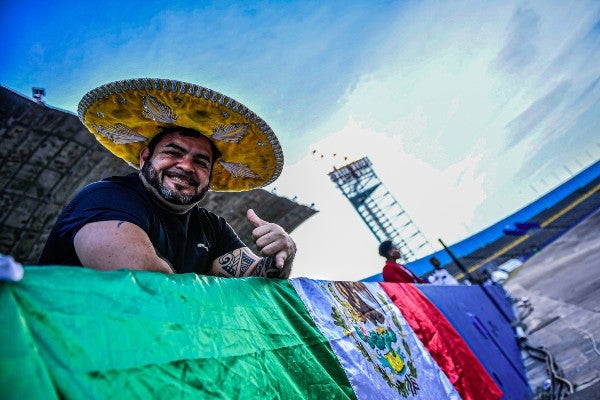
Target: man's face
(179,169)
(394,252)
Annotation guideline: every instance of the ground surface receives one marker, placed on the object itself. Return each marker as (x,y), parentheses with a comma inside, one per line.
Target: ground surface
(562,283)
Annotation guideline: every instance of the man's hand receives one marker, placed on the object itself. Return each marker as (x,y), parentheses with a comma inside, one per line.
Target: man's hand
(272,240)
(277,249)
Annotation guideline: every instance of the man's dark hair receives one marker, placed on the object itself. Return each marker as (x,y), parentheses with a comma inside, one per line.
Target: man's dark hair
(384,247)
(435,262)
(189,132)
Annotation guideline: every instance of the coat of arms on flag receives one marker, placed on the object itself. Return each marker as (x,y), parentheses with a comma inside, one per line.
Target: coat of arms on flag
(376,346)
(380,339)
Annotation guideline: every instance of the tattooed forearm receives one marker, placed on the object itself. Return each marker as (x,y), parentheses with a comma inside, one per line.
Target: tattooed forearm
(229,263)
(266,268)
(242,262)
(245,263)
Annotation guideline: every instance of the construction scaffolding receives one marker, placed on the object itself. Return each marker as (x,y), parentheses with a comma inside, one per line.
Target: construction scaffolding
(379,209)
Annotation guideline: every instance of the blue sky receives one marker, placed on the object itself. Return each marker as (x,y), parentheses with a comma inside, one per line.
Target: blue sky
(468,110)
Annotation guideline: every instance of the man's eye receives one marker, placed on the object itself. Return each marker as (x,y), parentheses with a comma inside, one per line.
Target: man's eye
(173,153)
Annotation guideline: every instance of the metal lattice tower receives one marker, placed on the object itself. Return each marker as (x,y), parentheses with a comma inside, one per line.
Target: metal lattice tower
(379,209)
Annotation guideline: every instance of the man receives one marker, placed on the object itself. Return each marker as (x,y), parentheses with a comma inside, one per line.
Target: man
(440,276)
(186,140)
(393,271)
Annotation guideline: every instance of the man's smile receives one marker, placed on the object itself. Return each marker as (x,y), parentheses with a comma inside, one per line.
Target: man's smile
(181,179)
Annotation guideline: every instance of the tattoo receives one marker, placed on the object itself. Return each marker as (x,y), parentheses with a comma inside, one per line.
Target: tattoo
(228,263)
(266,268)
(240,261)
(260,268)
(245,263)
(120,223)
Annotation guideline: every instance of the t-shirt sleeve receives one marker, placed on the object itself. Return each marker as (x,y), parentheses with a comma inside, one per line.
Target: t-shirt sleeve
(228,239)
(104,201)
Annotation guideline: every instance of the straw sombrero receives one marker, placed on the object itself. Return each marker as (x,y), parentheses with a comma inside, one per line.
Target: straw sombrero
(125,115)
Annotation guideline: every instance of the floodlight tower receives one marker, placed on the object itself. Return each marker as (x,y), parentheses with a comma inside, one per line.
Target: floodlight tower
(379,209)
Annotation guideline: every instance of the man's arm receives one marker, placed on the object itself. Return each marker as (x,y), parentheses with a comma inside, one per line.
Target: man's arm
(277,247)
(108,245)
(243,262)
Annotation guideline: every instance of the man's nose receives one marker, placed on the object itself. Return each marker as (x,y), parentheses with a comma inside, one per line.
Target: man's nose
(186,163)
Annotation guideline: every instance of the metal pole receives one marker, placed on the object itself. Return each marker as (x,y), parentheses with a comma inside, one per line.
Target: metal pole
(458,263)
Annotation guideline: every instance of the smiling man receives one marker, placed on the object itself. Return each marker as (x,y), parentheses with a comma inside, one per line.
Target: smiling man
(185,140)
(178,171)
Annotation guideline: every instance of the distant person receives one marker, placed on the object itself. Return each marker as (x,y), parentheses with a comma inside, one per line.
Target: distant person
(440,276)
(394,271)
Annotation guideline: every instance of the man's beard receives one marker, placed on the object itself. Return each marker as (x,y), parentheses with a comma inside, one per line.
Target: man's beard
(169,195)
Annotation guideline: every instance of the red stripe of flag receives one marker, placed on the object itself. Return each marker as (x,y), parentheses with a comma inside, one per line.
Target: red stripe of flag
(443,342)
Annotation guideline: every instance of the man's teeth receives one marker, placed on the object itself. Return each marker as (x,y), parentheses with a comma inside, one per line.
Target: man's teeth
(180,179)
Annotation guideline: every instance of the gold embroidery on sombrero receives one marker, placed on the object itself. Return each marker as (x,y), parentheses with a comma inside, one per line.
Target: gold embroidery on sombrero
(231,133)
(157,111)
(239,170)
(119,133)
(143,106)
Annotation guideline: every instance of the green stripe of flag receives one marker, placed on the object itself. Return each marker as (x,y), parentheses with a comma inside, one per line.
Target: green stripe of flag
(125,334)
(23,373)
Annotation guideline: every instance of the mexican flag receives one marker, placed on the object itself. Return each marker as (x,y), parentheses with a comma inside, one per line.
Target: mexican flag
(76,333)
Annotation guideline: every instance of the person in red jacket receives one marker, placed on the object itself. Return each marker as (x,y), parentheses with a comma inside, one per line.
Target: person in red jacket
(393,271)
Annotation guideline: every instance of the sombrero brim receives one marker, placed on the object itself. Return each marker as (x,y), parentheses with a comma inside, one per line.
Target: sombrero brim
(125,115)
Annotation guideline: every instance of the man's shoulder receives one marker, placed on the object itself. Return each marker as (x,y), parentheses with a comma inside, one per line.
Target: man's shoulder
(125,182)
(120,192)
(394,266)
(120,180)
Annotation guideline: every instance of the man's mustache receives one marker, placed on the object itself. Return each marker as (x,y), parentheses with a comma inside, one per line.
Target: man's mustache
(177,173)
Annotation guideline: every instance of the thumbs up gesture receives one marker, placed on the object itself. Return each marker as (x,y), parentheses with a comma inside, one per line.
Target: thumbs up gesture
(271,239)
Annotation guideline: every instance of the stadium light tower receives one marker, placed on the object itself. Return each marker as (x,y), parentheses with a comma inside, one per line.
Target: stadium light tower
(379,209)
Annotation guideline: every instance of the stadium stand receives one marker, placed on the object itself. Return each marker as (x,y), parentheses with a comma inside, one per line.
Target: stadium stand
(553,222)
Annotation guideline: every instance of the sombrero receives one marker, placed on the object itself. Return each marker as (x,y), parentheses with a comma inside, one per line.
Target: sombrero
(125,115)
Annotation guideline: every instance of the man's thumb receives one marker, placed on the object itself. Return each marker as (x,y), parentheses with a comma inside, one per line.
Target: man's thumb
(254,219)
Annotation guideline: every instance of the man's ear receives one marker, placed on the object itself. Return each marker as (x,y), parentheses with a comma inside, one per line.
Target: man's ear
(144,156)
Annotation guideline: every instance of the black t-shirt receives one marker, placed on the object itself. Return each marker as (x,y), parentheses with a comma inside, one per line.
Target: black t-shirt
(190,242)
